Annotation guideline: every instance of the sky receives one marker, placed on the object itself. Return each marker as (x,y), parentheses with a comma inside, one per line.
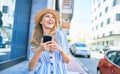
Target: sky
(80,22)
(82,10)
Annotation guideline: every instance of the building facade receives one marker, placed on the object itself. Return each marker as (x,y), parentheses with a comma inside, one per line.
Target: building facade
(105,21)
(66,12)
(17,27)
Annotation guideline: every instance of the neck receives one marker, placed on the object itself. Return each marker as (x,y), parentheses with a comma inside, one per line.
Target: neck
(46,31)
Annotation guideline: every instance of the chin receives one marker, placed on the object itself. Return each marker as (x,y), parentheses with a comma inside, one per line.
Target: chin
(50,27)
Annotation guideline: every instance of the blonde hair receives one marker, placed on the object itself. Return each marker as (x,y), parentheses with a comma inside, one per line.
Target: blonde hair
(38,34)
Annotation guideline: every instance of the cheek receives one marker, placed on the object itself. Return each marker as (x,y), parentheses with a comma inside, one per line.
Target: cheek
(42,22)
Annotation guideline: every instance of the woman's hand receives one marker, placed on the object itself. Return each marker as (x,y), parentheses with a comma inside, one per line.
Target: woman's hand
(50,45)
(45,46)
(55,46)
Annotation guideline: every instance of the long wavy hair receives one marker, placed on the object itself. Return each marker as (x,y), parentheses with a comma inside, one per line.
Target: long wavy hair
(38,33)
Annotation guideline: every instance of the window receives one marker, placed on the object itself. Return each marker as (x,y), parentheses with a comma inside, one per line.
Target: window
(103,35)
(106,9)
(107,42)
(111,55)
(117,59)
(97,27)
(5,9)
(96,18)
(111,42)
(108,21)
(99,5)
(100,14)
(102,24)
(117,17)
(116,2)
(104,0)
(111,32)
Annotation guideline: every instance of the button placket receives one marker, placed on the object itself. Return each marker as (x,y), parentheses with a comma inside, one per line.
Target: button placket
(50,57)
(51,72)
(51,63)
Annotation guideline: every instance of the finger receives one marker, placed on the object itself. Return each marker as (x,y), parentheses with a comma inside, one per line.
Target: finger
(48,42)
(48,45)
(53,41)
(41,40)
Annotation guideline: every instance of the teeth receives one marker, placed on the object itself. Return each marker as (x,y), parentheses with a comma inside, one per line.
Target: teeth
(50,22)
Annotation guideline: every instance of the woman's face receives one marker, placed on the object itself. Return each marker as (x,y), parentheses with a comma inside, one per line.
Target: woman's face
(48,21)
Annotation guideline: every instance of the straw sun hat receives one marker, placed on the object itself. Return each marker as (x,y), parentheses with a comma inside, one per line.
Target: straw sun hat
(39,15)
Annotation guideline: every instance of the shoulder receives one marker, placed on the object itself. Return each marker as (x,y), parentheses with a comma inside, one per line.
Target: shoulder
(60,32)
(61,35)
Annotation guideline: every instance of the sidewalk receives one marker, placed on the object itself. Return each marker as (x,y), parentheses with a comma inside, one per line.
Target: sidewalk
(21,68)
(74,67)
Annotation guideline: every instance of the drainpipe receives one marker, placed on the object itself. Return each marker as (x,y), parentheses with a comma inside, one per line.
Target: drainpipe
(60,3)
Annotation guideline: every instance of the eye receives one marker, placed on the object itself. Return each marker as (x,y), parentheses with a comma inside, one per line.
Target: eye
(47,16)
(53,17)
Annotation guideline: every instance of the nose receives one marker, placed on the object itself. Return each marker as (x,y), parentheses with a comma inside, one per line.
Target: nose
(51,18)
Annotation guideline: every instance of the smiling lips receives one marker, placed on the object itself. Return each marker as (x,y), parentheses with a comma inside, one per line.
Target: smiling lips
(50,22)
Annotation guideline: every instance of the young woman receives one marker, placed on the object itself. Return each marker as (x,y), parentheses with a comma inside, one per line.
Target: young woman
(52,56)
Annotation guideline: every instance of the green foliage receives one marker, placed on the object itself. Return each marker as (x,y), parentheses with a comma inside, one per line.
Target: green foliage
(69,40)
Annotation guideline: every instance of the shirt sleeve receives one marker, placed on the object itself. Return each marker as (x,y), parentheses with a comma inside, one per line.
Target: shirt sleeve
(31,52)
(63,41)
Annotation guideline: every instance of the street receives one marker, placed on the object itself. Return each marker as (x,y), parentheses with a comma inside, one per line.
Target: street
(89,64)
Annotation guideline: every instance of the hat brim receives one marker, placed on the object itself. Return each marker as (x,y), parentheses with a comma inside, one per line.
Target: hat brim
(39,15)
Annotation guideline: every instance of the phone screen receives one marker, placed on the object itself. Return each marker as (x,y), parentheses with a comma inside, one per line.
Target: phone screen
(47,38)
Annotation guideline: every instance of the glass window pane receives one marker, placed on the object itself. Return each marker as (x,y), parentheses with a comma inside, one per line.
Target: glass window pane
(7,11)
(117,59)
(111,55)
(117,17)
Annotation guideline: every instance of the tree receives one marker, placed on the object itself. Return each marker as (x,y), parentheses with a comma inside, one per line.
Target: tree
(1,22)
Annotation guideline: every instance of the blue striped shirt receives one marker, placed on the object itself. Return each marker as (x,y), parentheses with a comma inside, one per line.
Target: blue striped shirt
(52,63)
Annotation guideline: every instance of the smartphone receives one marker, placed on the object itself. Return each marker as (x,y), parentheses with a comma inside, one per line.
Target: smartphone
(46,38)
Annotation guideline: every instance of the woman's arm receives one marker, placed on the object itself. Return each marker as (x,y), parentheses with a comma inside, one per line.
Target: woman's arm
(34,59)
(65,56)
